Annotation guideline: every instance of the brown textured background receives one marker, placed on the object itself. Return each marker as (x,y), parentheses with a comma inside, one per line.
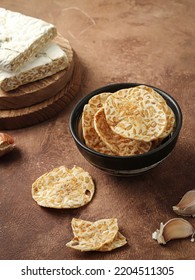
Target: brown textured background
(116,41)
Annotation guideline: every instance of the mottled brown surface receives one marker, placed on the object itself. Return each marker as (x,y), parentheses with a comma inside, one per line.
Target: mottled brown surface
(116,41)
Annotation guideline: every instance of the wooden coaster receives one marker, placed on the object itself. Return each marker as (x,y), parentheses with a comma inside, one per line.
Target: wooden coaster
(38,91)
(20,118)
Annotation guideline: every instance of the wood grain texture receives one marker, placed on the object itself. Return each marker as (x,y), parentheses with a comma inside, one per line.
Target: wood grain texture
(38,91)
(20,118)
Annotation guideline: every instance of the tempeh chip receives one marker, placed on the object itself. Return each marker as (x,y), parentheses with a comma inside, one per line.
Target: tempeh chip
(169,113)
(118,241)
(135,114)
(90,135)
(101,235)
(64,188)
(119,145)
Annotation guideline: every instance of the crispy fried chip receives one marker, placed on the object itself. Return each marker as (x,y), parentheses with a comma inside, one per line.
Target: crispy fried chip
(90,135)
(135,114)
(97,101)
(168,129)
(63,188)
(150,90)
(91,236)
(169,113)
(170,123)
(118,241)
(118,144)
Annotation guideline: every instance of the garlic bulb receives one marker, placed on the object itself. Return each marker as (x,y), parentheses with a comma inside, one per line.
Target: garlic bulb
(6,143)
(186,206)
(173,229)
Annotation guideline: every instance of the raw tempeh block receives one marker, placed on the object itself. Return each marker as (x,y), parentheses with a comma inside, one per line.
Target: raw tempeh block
(21,37)
(50,60)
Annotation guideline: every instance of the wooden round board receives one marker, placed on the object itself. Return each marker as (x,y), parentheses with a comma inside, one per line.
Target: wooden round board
(20,118)
(38,91)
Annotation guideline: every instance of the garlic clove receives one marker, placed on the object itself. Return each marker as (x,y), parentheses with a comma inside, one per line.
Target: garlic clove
(173,229)
(186,206)
(6,143)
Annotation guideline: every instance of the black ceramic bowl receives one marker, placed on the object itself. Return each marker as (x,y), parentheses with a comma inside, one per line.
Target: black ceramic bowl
(124,165)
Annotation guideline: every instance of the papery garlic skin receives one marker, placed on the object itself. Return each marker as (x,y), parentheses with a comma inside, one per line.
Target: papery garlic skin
(6,143)
(175,228)
(186,206)
(158,235)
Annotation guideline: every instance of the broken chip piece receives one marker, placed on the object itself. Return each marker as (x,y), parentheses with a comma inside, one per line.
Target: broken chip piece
(101,235)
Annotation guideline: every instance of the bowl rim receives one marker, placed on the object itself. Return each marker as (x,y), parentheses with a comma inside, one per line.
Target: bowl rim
(84,100)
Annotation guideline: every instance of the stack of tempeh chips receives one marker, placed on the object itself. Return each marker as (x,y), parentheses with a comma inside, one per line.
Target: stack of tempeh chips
(128,122)
(28,51)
